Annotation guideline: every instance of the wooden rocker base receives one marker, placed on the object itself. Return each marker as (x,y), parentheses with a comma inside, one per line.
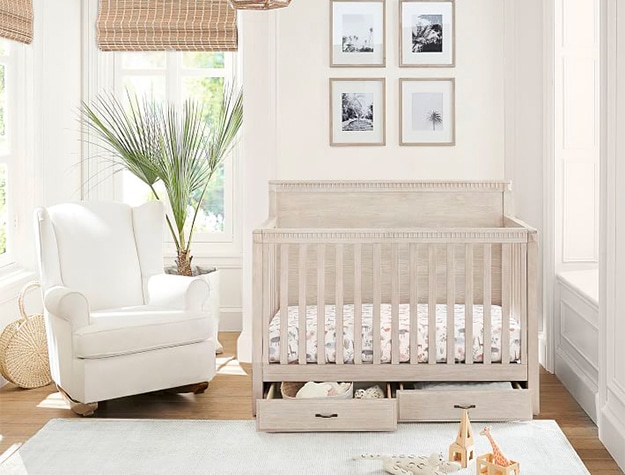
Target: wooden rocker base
(80,408)
(486,466)
(197,388)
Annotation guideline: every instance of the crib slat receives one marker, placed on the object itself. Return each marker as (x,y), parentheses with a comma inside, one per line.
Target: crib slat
(321,306)
(395,303)
(506,291)
(284,303)
(268,264)
(523,309)
(377,301)
(414,301)
(487,304)
(451,311)
(468,304)
(357,303)
(303,252)
(516,283)
(432,304)
(339,304)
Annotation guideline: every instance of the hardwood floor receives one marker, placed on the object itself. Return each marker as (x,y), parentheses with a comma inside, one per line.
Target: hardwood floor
(24,412)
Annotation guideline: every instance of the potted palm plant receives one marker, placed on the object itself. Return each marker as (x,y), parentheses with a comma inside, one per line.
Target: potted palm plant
(177,147)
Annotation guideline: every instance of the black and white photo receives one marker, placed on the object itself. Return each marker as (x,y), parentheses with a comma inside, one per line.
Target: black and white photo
(427,111)
(357,33)
(357,111)
(427,33)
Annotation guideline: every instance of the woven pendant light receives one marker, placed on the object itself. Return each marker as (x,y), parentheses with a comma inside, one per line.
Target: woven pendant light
(259,4)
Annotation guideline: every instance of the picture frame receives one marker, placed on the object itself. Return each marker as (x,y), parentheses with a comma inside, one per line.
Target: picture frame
(427,36)
(357,111)
(357,33)
(427,111)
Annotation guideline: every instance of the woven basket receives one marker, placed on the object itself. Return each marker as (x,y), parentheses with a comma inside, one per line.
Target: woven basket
(24,348)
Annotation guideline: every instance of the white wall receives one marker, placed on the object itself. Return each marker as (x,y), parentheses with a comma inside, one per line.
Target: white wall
(303,150)
(498,108)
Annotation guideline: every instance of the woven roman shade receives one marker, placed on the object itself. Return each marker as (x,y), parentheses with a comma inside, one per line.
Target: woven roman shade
(163,25)
(16,20)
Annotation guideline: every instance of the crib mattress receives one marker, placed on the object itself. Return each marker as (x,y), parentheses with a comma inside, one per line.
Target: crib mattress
(385,334)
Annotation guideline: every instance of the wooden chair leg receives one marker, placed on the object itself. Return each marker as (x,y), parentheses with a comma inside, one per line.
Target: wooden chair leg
(197,388)
(80,408)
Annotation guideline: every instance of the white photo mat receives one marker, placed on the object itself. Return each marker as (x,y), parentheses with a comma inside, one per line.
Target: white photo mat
(427,16)
(356,28)
(427,111)
(351,104)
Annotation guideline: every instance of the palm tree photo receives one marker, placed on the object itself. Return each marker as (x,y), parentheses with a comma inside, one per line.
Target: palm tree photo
(435,118)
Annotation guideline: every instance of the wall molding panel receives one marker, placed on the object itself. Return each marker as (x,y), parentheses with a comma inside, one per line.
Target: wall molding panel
(611,396)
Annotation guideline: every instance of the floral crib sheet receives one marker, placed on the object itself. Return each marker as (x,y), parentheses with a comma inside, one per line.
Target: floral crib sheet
(385,334)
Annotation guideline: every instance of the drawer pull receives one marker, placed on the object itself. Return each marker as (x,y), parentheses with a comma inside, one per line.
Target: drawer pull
(461,406)
(326,416)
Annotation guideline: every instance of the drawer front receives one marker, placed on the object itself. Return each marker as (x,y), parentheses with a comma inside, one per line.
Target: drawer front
(279,415)
(490,405)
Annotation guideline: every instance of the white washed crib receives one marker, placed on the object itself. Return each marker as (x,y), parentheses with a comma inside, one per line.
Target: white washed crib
(374,244)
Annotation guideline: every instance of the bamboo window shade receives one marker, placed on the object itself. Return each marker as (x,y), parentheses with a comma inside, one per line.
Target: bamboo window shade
(166,25)
(16,20)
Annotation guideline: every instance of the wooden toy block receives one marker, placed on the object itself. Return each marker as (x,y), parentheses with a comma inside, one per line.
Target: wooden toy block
(463,449)
(486,466)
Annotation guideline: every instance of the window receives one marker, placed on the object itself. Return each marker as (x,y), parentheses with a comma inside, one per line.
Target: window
(7,147)
(175,77)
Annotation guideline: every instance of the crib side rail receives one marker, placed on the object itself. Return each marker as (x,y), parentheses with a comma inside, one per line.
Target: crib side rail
(424,268)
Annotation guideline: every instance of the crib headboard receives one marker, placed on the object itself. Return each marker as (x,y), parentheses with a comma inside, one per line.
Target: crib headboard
(389,204)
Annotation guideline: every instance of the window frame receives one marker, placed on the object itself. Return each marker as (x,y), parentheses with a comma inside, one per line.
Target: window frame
(16,86)
(174,73)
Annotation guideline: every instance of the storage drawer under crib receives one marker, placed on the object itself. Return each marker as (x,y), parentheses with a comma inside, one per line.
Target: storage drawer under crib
(437,402)
(275,414)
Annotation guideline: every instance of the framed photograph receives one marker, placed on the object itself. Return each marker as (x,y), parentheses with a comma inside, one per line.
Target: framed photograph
(427,33)
(357,111)
(427,112)
(357,33)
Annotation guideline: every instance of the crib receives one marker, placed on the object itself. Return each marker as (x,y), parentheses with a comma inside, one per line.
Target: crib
(428,289)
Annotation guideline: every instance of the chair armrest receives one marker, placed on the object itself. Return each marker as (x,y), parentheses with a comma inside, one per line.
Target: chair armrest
(69,305)
(177,291)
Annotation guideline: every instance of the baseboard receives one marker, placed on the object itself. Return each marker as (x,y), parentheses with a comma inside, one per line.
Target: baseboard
(231,319)
(578,383)
(612,434)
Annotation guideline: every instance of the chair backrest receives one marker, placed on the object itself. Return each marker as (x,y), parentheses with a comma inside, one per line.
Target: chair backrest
(105,250)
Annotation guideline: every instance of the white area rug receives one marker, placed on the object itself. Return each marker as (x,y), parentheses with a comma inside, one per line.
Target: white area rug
(105,446)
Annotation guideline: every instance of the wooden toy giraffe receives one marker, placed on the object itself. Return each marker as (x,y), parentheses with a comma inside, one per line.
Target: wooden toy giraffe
(463,449)
(498,457)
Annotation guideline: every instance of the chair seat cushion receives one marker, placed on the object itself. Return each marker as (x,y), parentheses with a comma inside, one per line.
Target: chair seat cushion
(128,330)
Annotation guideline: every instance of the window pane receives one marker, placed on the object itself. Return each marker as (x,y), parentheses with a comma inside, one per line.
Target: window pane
(143,60)
(199,59)
(152,87)
(135,191)
(3,110)
(209,91)
(4,213)
(210,218)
